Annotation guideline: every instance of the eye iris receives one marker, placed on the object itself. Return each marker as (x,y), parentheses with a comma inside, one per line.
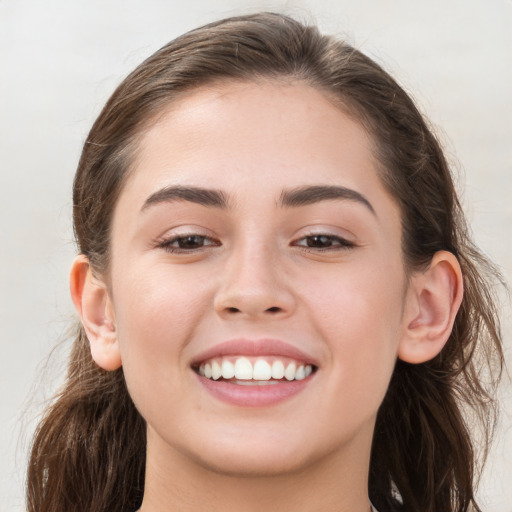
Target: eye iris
(319,241)
(191,242)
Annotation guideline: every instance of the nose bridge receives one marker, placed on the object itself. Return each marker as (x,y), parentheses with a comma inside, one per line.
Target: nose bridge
(253,283)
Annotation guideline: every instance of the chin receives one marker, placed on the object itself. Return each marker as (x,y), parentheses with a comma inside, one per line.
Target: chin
(261,465)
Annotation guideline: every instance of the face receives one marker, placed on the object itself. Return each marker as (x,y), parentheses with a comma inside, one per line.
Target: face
(254,237)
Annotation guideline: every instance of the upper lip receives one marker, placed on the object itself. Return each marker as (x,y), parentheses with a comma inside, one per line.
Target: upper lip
(260,347)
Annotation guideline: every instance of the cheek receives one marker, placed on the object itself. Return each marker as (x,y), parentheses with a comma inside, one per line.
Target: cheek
(156,315)
(359,314)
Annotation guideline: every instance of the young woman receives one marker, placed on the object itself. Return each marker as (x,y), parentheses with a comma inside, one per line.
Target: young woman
(280,305)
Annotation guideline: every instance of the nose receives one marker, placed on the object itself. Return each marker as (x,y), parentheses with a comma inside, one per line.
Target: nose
(254,286)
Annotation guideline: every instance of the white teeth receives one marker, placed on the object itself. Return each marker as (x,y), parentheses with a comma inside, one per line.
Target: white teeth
(216,371)
(243,369)
(289,373)
(259,372)
(277,369)
(228,369)
(262,370)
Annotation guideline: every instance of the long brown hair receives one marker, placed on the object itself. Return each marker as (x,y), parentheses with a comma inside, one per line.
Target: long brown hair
(89,450)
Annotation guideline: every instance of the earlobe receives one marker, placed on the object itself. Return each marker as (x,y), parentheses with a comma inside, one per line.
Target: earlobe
(94,305)
(433,300)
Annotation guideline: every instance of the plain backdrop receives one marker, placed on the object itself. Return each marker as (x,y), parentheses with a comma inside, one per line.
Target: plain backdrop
(61,59)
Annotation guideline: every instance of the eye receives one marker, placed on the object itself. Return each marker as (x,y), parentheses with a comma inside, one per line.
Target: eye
(324,242)
(187,243)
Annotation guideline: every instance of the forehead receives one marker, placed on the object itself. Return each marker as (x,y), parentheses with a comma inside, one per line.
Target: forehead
(271,130)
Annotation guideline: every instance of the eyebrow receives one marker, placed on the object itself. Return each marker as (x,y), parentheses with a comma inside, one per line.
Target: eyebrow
(202,196)
(303,196)
(293,198)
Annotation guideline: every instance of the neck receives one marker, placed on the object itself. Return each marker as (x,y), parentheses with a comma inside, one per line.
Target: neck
(334,483)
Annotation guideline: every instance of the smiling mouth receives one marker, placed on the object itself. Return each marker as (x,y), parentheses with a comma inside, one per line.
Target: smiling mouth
(251,371)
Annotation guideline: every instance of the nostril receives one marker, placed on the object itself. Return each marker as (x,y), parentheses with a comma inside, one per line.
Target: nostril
(233,310)
(274,309)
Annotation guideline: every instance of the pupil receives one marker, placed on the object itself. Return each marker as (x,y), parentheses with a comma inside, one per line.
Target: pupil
(191,241)
(319,241)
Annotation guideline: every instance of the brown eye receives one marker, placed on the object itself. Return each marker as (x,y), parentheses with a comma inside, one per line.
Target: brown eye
(319,241)
(190,242)
(187,243)
(324,242)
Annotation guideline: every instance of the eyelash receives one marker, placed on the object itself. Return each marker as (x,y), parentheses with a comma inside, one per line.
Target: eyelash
(341,243)
(167,244)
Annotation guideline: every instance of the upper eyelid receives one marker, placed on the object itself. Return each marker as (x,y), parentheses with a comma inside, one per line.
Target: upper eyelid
(325,232)
(334,237)
(174,238)
(184,231)
(167,240)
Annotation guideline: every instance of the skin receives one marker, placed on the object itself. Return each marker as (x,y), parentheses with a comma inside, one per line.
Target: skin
(353,308)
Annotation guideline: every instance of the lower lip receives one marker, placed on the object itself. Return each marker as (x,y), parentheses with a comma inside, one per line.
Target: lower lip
(253,396)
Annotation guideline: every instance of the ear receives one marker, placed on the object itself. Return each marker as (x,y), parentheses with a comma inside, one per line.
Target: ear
(93,303)
(433,299)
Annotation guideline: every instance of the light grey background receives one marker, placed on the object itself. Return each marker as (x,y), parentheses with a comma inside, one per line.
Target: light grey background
(60,60)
